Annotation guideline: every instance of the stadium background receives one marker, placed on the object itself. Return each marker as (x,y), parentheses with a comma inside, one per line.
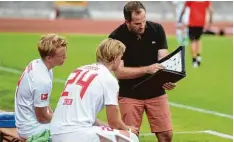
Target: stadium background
(201,105)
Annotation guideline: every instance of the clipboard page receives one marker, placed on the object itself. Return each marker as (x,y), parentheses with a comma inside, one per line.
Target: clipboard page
(174,61)
(174,69)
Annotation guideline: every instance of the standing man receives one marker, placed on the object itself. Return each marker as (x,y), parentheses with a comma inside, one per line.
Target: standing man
(197,20)
(32,109)
(181,28)
(145,43)
(88,90)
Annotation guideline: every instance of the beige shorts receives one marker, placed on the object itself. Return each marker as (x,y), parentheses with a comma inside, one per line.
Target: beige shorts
(157,111)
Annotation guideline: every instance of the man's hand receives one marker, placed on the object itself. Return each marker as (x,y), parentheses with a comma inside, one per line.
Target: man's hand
(134,129)
(169,86)
(154,68)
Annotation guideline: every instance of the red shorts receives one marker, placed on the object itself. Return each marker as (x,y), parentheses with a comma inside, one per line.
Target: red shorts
(157,111)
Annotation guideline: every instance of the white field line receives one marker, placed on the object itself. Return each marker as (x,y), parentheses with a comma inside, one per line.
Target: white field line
(226,136)
(219,134)
(201,110)
(182,132)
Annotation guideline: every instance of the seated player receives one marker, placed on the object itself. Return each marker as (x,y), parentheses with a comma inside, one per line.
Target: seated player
(88,89)
(32,109)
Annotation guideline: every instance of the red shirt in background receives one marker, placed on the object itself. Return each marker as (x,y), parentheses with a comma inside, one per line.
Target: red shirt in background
(197,17)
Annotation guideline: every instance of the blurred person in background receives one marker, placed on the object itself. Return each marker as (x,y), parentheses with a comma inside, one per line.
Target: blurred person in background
(145,43)
(32,98)
(181,28)
(197,21)
(88,90)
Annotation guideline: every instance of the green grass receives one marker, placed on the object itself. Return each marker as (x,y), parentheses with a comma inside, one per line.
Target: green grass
(208,87)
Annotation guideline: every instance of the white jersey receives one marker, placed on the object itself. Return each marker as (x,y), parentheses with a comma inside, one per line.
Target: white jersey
(33,90)
(88,89)
(179,5)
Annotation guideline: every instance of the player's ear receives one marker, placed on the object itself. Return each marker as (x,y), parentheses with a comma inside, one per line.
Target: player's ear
(127,22)
(48,58)
(114,61)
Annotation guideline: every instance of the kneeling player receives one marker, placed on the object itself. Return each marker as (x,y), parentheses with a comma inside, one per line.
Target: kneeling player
(88,89)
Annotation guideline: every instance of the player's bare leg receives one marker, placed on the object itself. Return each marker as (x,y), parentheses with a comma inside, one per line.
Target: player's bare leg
(179,35)
(193,45)
(199,50)
(185,36)
(164,136)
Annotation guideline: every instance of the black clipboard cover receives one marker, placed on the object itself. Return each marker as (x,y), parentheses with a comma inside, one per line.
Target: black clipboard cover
(174,71)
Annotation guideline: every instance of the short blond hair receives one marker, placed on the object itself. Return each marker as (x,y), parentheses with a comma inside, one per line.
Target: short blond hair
(109,50)
(48,44)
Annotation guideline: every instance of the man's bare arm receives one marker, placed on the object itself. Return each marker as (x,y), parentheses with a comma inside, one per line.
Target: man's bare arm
(210,10)
(114,121)
(129,72)
(43,115)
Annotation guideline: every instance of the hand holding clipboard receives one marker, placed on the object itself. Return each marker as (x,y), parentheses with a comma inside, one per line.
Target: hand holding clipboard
(174,70)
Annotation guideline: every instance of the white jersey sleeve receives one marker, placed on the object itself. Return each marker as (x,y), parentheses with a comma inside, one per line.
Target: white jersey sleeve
(41,94)
(111,90)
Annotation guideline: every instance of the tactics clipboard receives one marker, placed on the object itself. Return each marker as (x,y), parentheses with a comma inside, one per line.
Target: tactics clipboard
(174,70)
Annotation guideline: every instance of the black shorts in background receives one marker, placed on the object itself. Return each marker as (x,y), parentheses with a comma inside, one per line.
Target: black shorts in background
(195,33)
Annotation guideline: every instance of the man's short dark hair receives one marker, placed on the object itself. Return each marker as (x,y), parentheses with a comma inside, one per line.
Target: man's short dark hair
(132,6)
